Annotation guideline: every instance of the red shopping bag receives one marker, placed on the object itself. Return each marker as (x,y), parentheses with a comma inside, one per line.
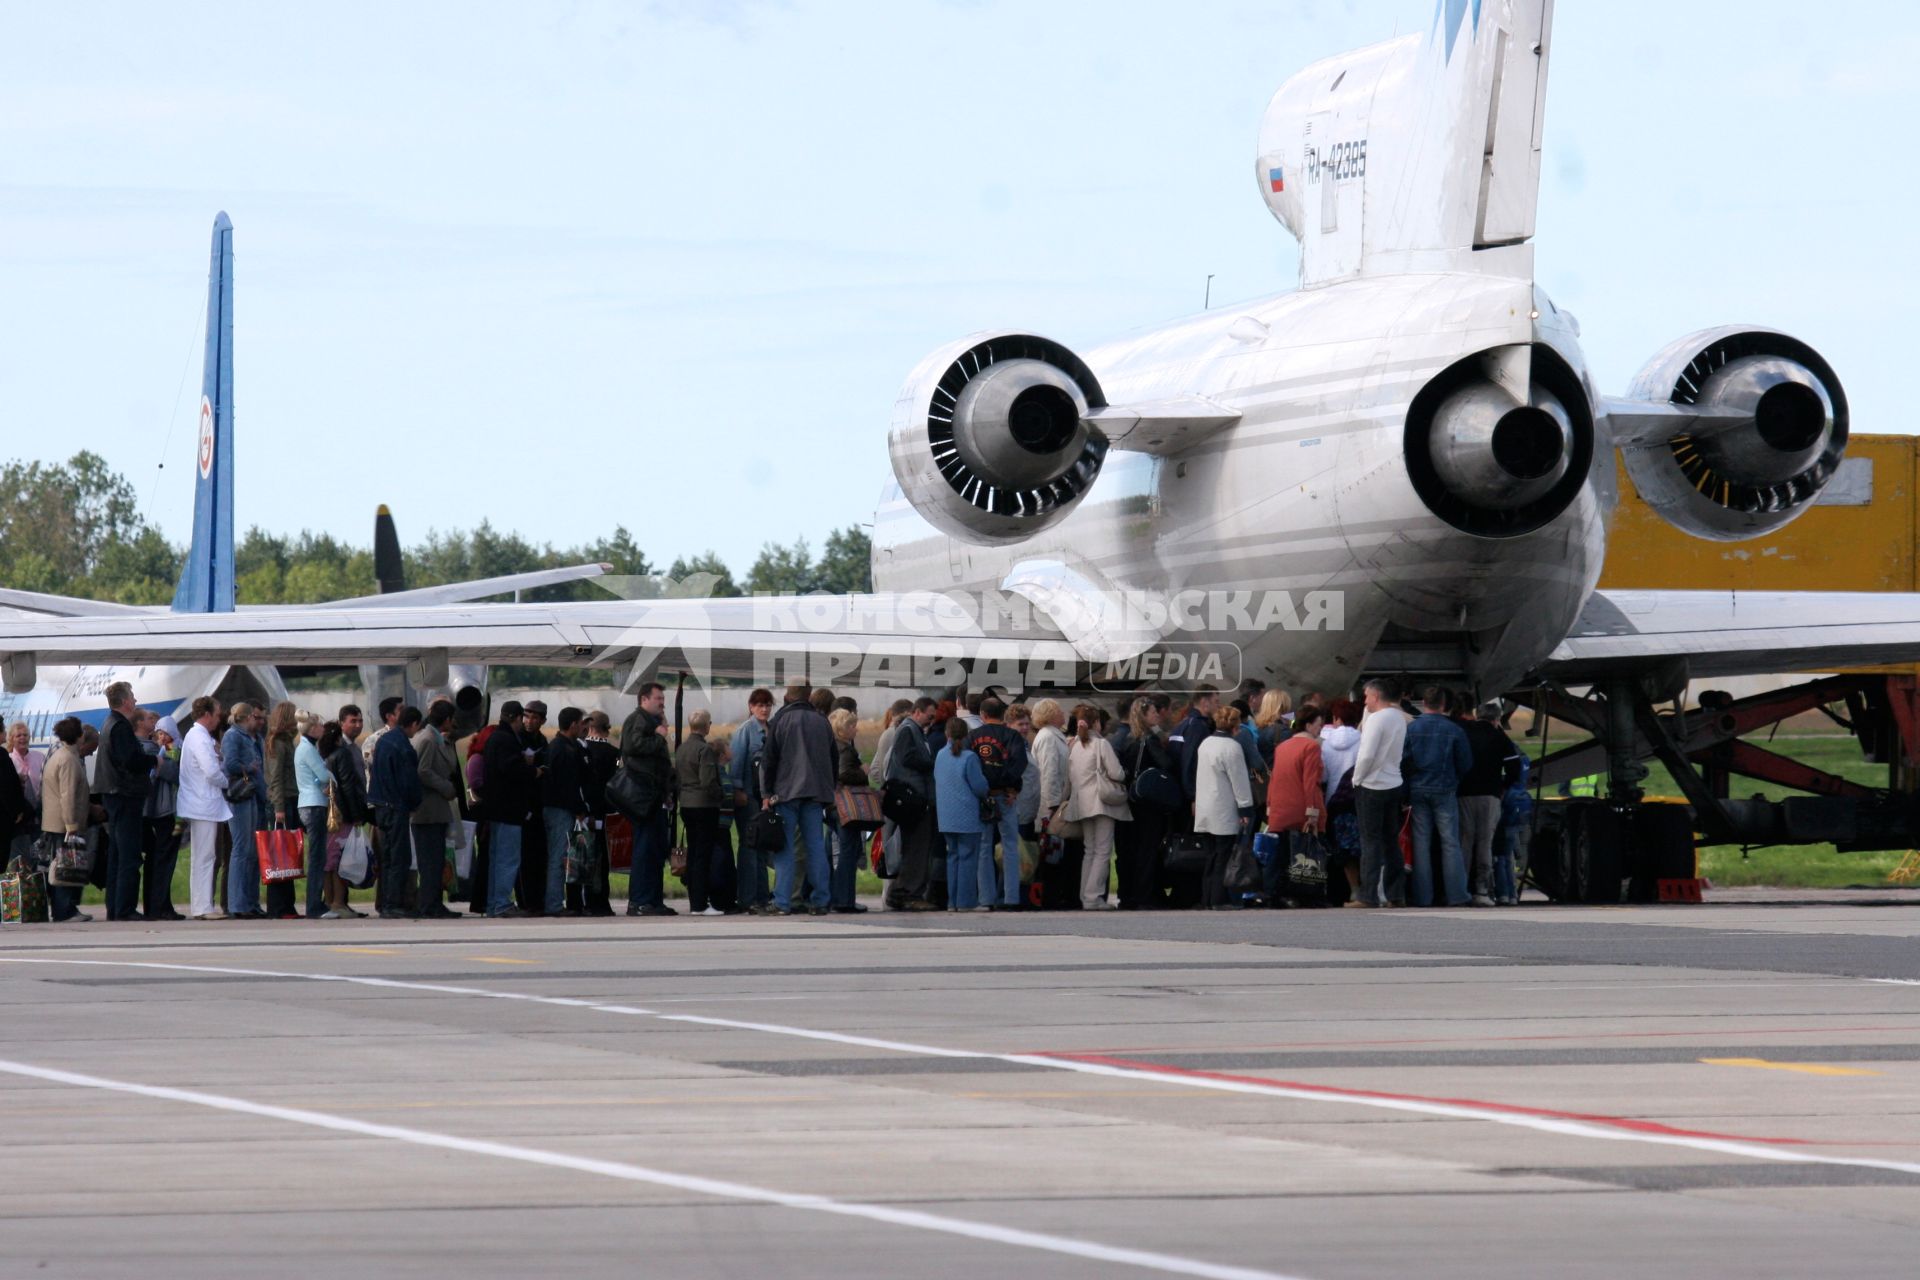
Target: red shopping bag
(1406,840)
(281,854)
(619,843)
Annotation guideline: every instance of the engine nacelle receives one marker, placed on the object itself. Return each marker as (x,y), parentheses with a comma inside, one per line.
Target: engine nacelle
(1768,431)
(1500,443)
(990,438)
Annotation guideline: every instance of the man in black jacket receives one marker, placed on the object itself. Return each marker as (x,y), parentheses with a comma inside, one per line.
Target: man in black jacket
(1185,741)
(602,760)
(393,787)
(911,764)
(122,776)
(1003,755)
(1495,767)
(507,765)
(644,754)
(799,769)
(563,798)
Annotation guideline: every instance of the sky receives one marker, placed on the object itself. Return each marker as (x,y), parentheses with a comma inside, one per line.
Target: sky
(666,265)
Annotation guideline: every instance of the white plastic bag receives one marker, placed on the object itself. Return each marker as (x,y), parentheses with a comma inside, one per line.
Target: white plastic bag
(356,859)
(460,847)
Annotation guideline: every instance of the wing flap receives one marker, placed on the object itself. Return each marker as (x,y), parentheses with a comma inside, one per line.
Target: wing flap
(1737,633)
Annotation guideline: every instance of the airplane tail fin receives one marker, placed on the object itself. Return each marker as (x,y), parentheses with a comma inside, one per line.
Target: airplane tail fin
(1408,155)
(206,579)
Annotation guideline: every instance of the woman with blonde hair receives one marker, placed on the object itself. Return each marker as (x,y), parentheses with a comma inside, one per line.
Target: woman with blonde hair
(1272,722)
(1096,799)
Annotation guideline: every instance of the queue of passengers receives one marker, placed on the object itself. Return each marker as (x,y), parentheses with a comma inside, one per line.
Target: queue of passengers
(989,806)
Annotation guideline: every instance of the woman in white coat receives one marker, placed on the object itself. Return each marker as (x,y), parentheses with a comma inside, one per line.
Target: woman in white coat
(1096,799)
(203,805)
(1222,802)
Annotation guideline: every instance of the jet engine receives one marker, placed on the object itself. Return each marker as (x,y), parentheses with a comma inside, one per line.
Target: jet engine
(1500,443)
(1730,433)
(991,440)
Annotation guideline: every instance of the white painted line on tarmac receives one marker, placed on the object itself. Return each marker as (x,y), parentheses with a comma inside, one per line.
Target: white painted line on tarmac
(1453,1109)
(1165,1263)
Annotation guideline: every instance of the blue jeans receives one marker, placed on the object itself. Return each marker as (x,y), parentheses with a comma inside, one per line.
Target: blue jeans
(559,832)
(803,820)
(645,888)
(750,874)
(1437,810)
(243,867)
(850,845)
(1008,831)
(313,820)
(963,869)
(503,865)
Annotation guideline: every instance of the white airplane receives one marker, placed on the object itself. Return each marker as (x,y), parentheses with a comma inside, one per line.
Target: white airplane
(1401,467)
(206,585)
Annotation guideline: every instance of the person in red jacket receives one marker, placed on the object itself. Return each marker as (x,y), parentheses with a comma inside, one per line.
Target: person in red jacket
(1296,800)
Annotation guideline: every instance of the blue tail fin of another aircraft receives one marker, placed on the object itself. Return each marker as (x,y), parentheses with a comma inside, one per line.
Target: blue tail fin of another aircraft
(206,580)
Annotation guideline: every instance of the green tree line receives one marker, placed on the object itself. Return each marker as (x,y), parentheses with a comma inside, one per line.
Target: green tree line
(75,529)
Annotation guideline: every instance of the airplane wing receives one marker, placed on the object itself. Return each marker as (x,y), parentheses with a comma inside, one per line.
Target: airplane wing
(911,640)
(477,589)
(69,606)
(1738,633)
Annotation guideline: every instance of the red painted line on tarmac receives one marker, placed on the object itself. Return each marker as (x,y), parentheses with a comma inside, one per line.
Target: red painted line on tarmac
(1480,1040)
(1471,1104)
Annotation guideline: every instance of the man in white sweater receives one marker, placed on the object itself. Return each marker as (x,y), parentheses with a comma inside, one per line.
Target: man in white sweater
(1379,790)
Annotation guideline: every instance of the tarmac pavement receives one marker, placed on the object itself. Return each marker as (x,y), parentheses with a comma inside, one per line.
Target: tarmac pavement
(1702,1091)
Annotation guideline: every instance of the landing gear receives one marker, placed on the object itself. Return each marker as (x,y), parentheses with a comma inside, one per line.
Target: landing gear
(1594,849)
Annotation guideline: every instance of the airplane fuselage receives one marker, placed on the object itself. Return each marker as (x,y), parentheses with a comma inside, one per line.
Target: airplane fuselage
(1310,490)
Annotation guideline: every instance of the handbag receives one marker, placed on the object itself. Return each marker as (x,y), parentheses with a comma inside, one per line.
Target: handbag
(989,810)
(240,786)
(765,832)
(677,861)
(1406,839)
(629,795)
(858,807)
(69,862)
(579,853)
(877,854)
(357,866)
(280,854)
(1242,878)
(1157,787)
(1186,854)
(901,804)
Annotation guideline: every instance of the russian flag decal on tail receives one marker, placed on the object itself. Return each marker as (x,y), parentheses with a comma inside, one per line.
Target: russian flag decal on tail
(1277,179)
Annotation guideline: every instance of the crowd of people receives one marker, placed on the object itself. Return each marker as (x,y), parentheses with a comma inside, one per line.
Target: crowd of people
(985,805)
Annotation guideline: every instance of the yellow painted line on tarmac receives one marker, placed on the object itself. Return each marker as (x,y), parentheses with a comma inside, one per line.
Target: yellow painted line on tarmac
(1805,1068)
(366,951)
(501,960)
